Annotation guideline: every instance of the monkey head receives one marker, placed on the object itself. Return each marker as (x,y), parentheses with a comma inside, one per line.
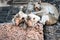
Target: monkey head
(37,6)
(32,19)
(19,17)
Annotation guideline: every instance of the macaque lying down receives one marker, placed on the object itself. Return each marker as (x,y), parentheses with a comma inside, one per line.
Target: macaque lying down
(49,13)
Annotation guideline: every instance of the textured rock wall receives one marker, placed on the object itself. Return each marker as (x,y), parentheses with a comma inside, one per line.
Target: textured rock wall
(52,32)
(11,32)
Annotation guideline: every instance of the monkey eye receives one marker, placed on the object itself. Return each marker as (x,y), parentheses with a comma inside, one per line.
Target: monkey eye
(33,18)
(23,18)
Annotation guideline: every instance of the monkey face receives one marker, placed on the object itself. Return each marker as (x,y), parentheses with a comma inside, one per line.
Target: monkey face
(36,6)
(19,18)
(32,19)
(23,18)
(22,15)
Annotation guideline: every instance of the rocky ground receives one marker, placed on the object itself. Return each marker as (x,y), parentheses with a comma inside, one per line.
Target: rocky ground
(52,32)
(11,32)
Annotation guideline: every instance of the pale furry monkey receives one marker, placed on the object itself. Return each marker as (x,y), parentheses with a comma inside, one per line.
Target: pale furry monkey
(19,17)
(32,19)
(48,12)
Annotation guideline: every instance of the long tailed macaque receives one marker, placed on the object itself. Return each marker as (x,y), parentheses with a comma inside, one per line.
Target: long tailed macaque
(48,12)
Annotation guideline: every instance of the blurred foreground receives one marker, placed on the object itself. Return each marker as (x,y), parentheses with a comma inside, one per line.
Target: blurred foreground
(10,32)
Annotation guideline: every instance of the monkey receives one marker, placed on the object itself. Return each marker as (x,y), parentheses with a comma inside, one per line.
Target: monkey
(48,12)
(32,19)
(19,17)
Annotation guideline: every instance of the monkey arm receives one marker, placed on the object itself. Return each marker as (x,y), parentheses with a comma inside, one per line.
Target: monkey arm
(39,13)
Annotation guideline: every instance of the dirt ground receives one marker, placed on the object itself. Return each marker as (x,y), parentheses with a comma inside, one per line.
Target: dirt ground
(10,32)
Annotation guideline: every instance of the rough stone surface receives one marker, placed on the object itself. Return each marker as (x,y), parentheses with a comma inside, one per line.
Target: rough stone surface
(52,32)
(11,32)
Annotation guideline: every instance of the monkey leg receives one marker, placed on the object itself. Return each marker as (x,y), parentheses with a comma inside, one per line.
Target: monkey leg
(52,20)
